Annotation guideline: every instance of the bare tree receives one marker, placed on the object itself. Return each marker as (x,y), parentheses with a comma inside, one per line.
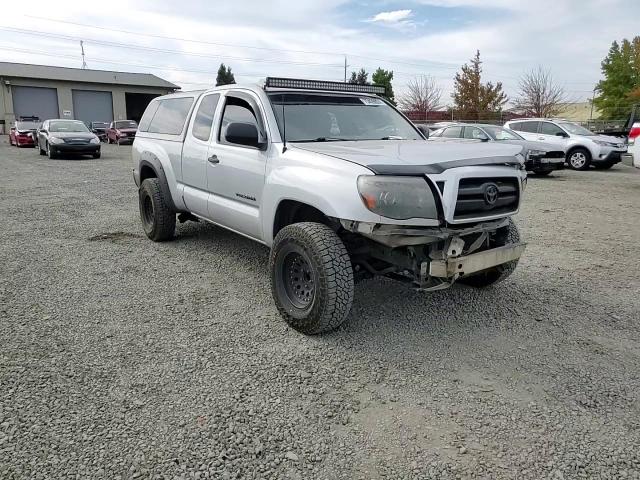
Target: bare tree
(423,95)
(539,95)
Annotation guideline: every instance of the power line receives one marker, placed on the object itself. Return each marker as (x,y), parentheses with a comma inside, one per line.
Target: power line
(161,50)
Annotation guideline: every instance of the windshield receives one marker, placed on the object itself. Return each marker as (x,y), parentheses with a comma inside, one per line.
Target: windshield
(499,133)
(318,118)
(68,126)
(27,125)
(127,124)
(576,129)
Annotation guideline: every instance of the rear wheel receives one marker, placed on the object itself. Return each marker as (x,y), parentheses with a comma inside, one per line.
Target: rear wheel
(504,236)
(158,220)
(579,159)
(311,277)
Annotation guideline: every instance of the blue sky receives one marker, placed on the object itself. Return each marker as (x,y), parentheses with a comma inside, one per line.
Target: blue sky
(185,41)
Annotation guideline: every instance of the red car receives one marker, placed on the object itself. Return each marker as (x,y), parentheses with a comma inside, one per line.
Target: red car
(23,134)
(122,131)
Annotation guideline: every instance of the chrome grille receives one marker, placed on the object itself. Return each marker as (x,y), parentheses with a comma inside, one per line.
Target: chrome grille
(484,197)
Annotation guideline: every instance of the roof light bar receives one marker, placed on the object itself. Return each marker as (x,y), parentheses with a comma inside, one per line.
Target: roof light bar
(277,82)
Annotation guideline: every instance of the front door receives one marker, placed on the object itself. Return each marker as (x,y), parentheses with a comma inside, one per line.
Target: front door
(553,134)
(235,173)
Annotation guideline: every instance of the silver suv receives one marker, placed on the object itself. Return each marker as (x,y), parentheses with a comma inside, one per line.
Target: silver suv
(337,182)
(583,147)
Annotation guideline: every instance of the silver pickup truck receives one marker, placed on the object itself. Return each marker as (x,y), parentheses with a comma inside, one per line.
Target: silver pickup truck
(337,182)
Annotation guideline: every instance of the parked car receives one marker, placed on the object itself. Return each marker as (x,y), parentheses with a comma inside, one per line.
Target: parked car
(59,137)
(122,131)
(338,184)
(24,133)
(632,157)
(583,147)
(100,129)
(540,158)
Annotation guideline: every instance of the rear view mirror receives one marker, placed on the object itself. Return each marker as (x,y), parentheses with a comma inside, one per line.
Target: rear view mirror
(242,133)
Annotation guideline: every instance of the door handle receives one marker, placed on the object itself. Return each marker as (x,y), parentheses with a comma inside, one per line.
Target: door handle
(541,138)
(213,159)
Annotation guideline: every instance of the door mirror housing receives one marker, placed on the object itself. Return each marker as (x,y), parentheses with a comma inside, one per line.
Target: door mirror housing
(423,129)
(562,134)
(241,133)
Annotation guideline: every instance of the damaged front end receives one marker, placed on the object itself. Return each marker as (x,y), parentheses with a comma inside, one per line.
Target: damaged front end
(430,258)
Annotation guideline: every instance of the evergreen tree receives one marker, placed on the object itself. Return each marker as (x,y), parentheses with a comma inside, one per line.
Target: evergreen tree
(384,77)
(224,77)
(359,78)
(621,85)
(474,100)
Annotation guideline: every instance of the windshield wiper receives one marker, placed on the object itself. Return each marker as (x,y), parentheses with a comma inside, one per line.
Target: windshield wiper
(323,139)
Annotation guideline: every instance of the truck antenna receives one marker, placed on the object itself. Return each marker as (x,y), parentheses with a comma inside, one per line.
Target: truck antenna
(284,127)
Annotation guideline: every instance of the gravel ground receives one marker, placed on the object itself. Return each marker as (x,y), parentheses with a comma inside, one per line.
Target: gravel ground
(121,358)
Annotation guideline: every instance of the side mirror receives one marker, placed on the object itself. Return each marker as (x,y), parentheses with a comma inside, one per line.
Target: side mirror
(484,139)
(242,133)
(423,129)
(562,134)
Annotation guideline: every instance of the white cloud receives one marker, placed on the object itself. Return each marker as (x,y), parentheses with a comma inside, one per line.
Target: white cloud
(395,16)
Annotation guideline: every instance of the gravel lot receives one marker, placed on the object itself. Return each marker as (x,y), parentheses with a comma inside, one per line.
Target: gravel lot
(121,358)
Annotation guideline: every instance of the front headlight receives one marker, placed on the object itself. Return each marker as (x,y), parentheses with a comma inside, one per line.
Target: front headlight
(55,140)
(535,153)
(94,140)
(604,144)
(397,197)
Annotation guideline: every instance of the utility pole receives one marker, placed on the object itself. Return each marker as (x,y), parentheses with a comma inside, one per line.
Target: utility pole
(84,64)
(345,69)
(593,96)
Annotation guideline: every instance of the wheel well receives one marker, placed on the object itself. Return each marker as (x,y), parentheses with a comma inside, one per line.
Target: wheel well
(292,211)
(574,148)
(147,172)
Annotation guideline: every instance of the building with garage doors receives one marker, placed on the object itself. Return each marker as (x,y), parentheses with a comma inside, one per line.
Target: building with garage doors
(81,94)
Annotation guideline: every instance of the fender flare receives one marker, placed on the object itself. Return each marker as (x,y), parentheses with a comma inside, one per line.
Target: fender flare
(151,161)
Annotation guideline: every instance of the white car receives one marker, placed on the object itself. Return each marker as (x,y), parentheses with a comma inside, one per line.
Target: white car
(632,157)
(338,183)
(583,148)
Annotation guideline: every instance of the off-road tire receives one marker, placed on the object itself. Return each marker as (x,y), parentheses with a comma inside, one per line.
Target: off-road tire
(575,165)
(504,236)
(158,219)
(330,270)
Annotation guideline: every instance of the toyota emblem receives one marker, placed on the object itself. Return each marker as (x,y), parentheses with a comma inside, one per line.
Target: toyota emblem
(491,193)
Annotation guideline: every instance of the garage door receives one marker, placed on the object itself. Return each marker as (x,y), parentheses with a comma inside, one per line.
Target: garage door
(92,106)
(35,101)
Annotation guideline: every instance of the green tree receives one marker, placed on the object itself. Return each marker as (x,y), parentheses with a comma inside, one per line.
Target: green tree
(474,100)
(384,77)
(621,85)
(359,78)
(224,77)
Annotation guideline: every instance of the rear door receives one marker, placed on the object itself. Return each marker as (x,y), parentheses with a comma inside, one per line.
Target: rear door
(195,153)
(527,129)
(235,173)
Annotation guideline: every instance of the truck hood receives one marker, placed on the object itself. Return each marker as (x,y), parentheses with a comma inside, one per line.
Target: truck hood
(416,157)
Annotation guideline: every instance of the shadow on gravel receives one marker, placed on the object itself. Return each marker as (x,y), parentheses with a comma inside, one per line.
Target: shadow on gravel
(114,237)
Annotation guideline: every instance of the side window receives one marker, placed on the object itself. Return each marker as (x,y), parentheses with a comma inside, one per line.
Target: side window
(474,133)
(452,132)
(171,116)
(529,127)
(515,126)
(236,110)
(203,122)
(548,128)
(149,112)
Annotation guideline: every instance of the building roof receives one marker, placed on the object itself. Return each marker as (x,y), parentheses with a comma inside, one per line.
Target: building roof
(46,72)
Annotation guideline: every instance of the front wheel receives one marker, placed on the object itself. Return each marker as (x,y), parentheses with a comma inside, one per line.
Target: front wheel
(503,236)
(311,277)
(579,159)
(50,154)
(158,220)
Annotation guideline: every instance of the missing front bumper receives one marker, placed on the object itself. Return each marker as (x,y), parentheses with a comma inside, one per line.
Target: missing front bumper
(455,267)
